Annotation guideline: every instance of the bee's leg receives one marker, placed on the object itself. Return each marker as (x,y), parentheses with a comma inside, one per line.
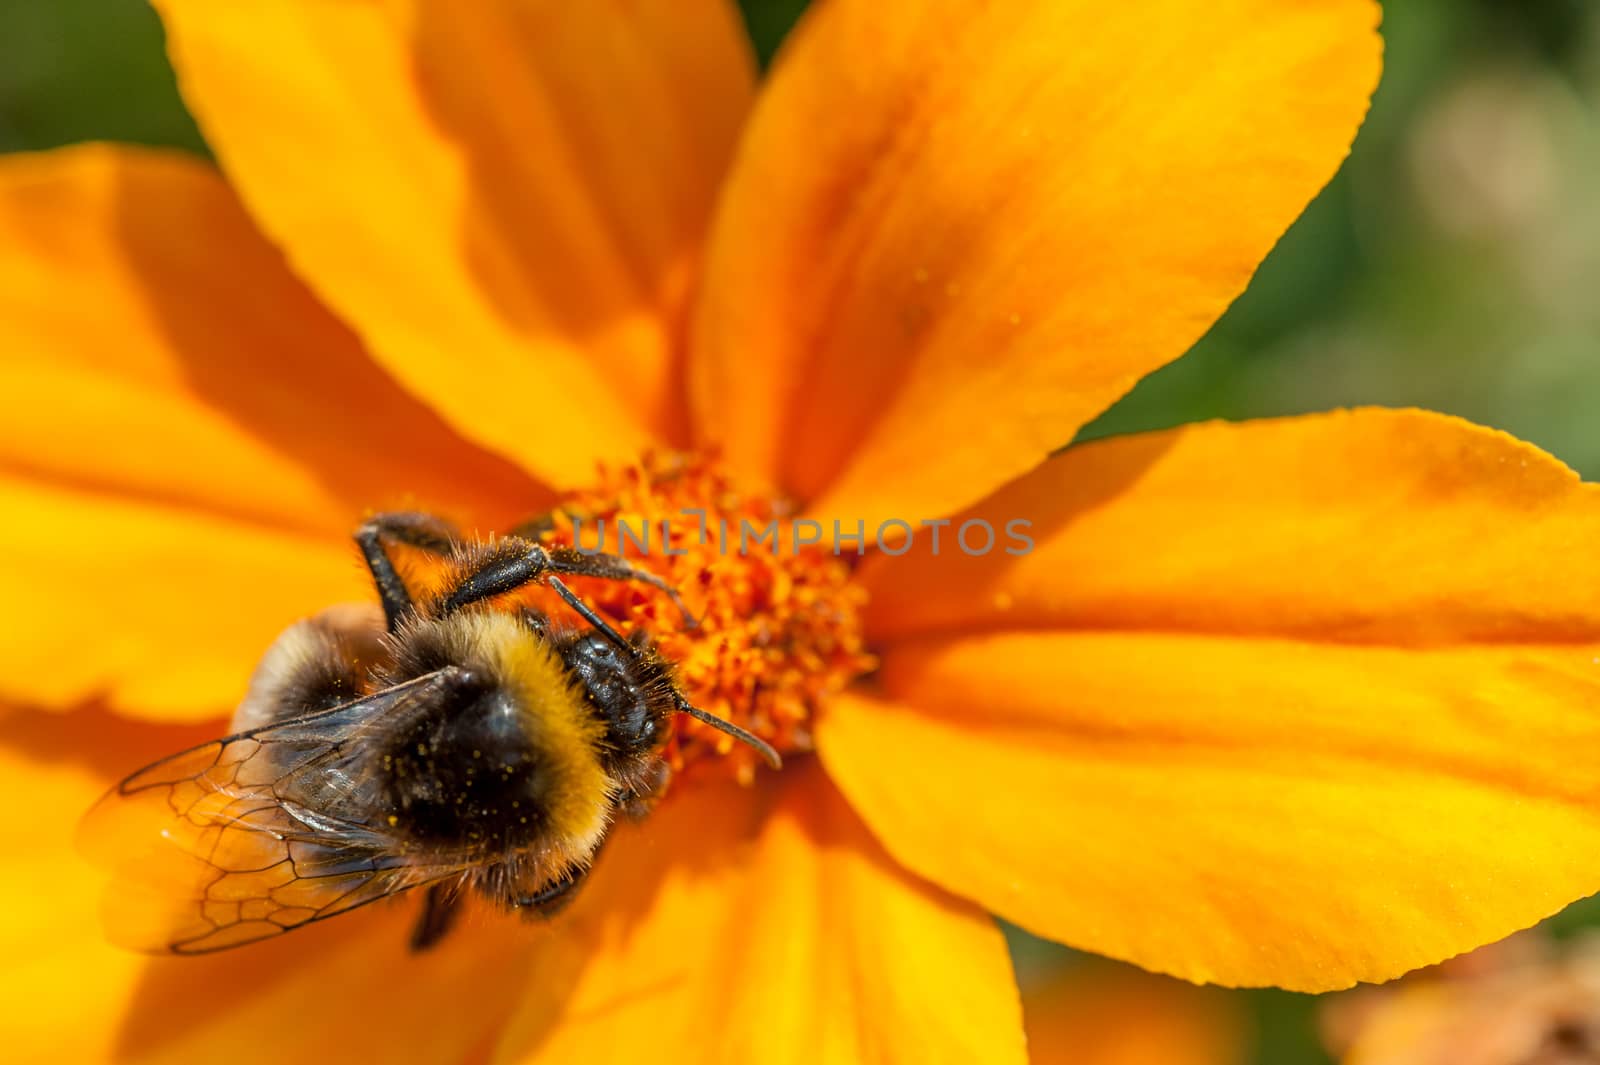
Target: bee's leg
(552,899)
(643,793)
(412,529)
(574,563)
(514,563)
(440,908)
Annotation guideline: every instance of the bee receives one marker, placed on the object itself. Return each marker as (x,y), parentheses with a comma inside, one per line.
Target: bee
(445,743)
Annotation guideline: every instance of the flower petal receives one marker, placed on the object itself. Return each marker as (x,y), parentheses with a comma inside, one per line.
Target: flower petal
(157,347)
(1235,810)
(505,198)
(190,437)
(342,990)
(790,940)
(1287,703)
(1103,1015)
(954,235)
(1368,526)
(161,612)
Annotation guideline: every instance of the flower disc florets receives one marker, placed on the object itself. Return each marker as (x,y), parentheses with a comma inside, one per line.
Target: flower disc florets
(775,626)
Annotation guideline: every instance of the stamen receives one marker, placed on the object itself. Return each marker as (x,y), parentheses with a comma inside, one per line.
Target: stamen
(775,625)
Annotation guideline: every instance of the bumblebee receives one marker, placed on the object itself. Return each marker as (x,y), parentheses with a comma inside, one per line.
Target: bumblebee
(449,742)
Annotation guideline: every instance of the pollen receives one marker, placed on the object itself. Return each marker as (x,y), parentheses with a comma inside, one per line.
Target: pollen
(773,626)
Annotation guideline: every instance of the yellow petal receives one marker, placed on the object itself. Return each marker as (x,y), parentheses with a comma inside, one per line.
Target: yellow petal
(156,347)
(345,989)
(710,933)
(954,234)
(1104,1015)
(505,198)
(188,441)
(1288,703)
(1370,526)
(1240,811)
(159,611)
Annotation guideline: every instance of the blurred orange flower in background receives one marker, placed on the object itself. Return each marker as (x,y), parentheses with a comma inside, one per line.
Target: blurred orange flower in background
(1524,1001)
(1110,1015)
(1289,702)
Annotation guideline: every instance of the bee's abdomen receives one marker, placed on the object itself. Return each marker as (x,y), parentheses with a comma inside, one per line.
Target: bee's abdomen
(469,775)
(315,664)
(476,777)
(511,767)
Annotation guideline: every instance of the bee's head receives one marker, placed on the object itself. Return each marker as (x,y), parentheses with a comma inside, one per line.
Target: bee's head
(628,689)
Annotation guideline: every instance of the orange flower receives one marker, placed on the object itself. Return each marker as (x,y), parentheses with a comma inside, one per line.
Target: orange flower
(1524,1001)
(1111,1015)
(1297,702)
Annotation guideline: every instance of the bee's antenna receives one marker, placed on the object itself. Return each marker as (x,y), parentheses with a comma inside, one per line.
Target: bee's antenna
(765,749)
(590,616)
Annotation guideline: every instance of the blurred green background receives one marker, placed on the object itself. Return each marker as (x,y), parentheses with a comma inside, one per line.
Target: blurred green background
(1453,264)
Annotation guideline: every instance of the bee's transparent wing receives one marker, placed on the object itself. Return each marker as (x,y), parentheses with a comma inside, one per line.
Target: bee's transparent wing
(259,833)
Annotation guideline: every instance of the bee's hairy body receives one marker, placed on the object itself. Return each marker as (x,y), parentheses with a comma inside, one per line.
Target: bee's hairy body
(455,739)
(524,763)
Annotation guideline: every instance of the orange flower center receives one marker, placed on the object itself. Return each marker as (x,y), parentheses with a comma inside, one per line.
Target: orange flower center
(775,627)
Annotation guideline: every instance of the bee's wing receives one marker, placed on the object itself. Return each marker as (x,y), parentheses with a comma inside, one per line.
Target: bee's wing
(262,832)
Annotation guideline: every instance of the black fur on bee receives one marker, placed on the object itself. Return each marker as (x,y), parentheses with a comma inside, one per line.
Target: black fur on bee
(444,741)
